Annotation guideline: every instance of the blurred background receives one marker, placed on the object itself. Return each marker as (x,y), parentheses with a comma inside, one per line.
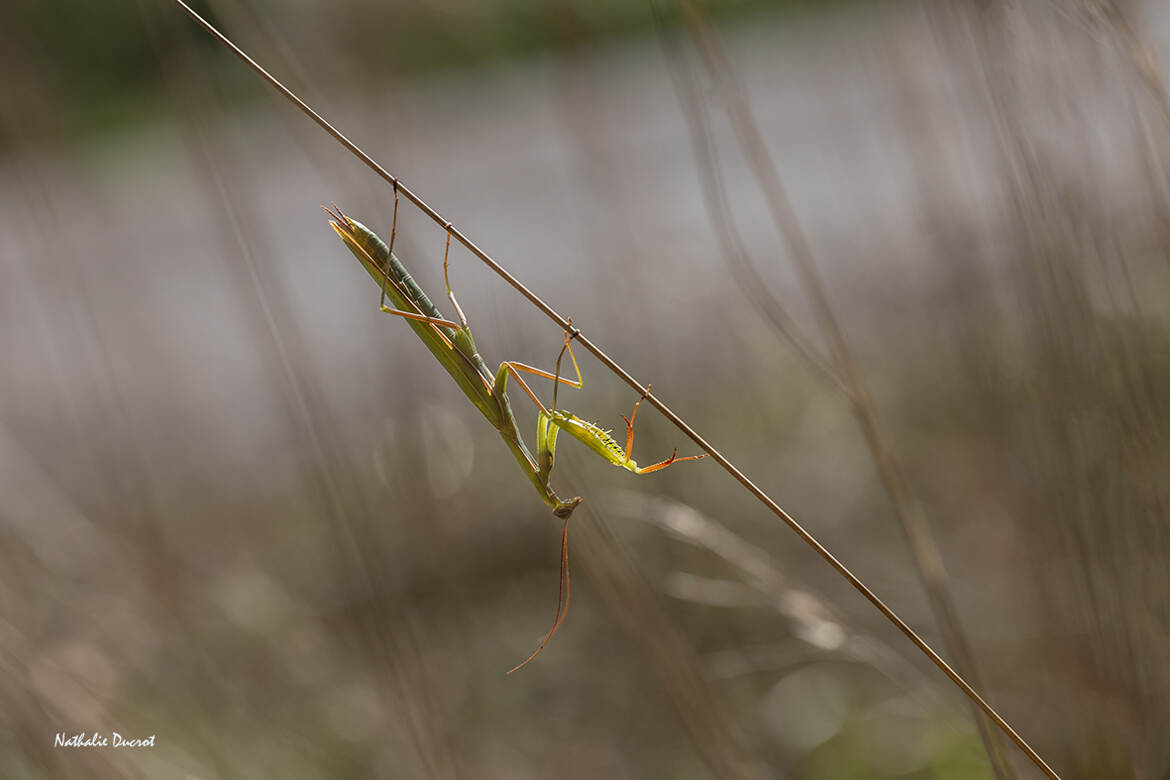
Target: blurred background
(906,263)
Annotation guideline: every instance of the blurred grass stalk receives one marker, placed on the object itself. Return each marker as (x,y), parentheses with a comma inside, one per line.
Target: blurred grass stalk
(840,367)
(812,619)
(1056,291)
(1099,416)
(388,635)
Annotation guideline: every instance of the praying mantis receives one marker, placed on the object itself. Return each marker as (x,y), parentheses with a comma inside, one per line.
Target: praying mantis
(454,347)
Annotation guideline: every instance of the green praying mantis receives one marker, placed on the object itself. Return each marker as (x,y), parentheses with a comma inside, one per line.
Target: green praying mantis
(454,347)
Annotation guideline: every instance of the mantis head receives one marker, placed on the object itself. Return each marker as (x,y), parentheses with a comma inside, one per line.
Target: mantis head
(565,508)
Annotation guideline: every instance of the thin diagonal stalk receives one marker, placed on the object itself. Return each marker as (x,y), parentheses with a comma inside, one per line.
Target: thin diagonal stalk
(654,401)
(911,517)
(811,618)
(325,483)
(631,601)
